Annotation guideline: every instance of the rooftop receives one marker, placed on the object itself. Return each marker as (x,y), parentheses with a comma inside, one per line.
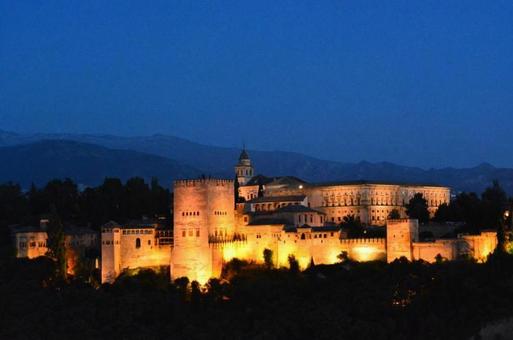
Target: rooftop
(366,182)
(314,229)
(271,220)
(266,199)
(298,208)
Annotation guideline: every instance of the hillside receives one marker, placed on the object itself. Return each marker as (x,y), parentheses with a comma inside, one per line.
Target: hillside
(219,161)
(87,164)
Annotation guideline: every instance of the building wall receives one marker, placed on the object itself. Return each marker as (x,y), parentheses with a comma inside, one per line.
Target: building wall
(121,250)
(143,253)
(371,202)
(248,192)
(203,212)
(31,244)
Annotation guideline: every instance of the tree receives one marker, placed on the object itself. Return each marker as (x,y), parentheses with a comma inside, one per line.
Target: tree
(443,213)
(343,256)
(494,201)
(13,207)
(312,263)
(63,196)
(352,225)
(417,208)
(268,258)
(56,244)
(293,264)
(394,215)
(466,208)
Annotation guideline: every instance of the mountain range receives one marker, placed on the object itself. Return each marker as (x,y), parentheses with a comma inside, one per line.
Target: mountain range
(37,158)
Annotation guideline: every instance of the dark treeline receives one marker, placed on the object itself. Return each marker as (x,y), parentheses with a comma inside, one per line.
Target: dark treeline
(446,300)
(478,212)
(113,200)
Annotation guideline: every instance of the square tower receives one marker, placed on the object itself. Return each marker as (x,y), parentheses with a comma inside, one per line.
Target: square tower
(203,211)
(400,237)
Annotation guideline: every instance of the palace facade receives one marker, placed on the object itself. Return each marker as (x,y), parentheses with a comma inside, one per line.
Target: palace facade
(285,215)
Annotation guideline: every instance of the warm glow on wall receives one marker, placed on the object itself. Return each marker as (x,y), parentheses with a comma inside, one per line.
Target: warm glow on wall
(365,253)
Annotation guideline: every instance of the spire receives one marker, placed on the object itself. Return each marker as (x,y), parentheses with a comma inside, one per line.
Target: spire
(243,154)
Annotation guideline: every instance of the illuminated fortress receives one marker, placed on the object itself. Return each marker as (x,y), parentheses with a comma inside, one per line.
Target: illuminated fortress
(285,215)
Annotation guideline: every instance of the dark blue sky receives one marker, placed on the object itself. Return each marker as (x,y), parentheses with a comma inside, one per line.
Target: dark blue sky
(427,83)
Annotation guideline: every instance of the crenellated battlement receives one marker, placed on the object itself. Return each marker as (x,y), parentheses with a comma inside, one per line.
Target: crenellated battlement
(363,241)
(202,181)
(397,221)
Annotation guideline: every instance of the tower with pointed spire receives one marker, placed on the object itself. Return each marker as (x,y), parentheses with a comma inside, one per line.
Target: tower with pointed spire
(244,170)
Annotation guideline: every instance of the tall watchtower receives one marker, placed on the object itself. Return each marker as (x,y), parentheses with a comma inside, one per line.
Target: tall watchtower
(244,170)
(203,211)
(400,237)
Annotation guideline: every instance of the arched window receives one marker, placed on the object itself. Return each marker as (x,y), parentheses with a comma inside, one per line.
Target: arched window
(137,243)
(302,236)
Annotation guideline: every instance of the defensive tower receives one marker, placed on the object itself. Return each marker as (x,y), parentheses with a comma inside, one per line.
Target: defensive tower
(400,237)
(203,212)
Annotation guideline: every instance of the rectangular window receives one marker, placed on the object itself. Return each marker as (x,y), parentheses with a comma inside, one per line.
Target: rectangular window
(183,233)
(197,233)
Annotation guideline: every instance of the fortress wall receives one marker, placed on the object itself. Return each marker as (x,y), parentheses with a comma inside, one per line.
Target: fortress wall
(147,255)
(257,239)
(479,246)
(428,251)
(363,250)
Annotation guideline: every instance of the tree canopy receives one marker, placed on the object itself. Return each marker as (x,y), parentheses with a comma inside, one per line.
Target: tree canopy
(417,208)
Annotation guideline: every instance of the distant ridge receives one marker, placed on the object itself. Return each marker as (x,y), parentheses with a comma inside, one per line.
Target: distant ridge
(193,158)
(87,164)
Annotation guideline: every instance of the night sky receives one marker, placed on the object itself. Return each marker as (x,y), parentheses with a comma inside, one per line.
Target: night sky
(425,83)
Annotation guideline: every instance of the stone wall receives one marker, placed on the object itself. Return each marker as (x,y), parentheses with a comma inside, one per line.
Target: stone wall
(364,249)
(428,251)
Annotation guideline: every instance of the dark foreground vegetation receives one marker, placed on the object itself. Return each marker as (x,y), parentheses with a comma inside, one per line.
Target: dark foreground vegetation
(447,300)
